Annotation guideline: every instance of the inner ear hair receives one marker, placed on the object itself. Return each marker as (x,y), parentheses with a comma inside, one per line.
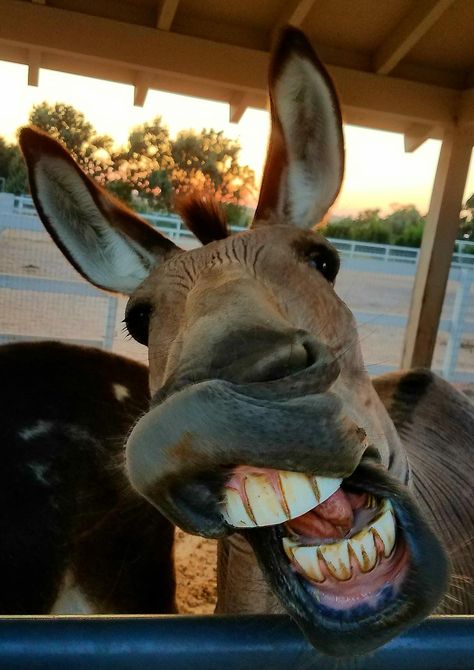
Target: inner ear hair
(203,216)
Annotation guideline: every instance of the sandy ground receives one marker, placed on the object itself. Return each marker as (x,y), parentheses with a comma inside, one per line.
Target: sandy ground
(48,315)
(195,561)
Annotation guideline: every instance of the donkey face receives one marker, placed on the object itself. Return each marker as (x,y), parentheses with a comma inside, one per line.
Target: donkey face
(255,366)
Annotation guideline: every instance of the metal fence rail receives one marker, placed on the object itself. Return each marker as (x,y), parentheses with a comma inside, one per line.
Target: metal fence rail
(18,213)
(214,643)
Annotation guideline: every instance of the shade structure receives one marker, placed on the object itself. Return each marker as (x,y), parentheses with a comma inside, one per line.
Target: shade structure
(399,65)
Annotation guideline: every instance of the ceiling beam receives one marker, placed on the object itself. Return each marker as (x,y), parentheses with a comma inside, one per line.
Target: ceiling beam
(415,135)
(407,33)
(78,43)
(295,12)
(141,87)
(34,60)
(165,13)
(237,106)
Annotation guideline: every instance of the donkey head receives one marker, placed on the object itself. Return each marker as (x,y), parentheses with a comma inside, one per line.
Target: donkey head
(256,371)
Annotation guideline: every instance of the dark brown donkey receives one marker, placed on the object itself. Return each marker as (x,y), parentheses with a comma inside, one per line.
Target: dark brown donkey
(256,375)
(76,538)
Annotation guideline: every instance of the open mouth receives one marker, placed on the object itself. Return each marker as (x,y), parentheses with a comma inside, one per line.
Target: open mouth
(347,549)
(356,568)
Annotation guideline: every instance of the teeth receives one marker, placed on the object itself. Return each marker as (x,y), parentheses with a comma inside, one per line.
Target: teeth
(337,559)
(308,560)
(274,496)
(384,526)
(365,551)
(240,516)
(337,555)
(263,501)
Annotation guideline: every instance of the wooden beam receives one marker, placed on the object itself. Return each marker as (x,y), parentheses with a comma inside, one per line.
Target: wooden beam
(140,91)
(38,2)
(237,106)
(295,12)
(441,228)
(407,33)
(74,42)
(415,135)
(34,61)
(165,13)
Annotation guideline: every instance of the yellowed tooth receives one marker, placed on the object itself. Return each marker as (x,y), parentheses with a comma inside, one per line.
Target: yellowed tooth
(363,546)
(289,545)
(326,486)
(234,510)
(308,560)
(385,528)
(337,559)
(298,493)
(266,506)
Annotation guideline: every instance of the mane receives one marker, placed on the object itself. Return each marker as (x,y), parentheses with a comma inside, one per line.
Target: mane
(203,217)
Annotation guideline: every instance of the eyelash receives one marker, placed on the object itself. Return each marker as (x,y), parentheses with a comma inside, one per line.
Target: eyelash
(137,321)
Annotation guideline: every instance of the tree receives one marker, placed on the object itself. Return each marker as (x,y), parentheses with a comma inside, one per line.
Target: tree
(12,168)
(17,180)
(210,161)
(69,126)
(146,163)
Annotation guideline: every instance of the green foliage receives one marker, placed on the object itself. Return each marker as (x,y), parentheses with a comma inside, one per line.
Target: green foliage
(12,168)
(403,227)
(69,126)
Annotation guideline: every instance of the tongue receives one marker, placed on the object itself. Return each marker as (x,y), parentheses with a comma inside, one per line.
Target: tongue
(331,520)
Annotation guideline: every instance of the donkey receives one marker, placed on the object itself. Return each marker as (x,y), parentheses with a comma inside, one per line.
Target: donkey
(76,538)
(256,372)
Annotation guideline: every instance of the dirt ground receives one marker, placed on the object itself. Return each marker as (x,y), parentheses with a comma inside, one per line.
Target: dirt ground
(195,561)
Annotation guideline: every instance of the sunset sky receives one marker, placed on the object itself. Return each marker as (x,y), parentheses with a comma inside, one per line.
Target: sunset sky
(378,171)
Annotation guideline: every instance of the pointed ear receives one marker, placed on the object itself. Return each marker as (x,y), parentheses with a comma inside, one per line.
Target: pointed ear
(305,162)
(107,243)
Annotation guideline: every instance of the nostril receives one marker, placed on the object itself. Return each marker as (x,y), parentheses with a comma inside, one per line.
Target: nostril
(311,354)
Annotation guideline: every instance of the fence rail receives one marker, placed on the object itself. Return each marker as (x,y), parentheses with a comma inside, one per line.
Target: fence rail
(213,643)
(18,212)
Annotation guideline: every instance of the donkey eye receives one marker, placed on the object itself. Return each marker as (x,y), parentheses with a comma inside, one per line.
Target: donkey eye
(137,321)
(325,261)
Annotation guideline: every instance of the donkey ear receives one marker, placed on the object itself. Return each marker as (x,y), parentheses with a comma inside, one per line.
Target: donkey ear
(305,162)
(107,243)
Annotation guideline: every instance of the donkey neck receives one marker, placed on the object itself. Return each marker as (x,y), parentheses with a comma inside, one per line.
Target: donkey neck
(241,587)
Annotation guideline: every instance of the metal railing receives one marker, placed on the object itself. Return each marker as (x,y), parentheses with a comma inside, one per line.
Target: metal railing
(361,256)
(214,643)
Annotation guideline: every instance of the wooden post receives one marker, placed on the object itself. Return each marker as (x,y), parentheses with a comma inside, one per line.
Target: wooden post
(436,251)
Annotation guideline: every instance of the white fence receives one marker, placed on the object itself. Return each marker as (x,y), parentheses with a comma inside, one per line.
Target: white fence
(18,213)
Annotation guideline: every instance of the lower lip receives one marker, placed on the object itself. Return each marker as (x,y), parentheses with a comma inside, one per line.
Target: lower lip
(363,588)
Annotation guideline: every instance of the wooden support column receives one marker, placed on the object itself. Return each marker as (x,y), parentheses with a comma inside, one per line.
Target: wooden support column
(437,246)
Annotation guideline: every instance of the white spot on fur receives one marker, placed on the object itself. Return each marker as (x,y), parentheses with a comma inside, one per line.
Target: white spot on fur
(121,392)
(39,472)
(35,430)
(71,600)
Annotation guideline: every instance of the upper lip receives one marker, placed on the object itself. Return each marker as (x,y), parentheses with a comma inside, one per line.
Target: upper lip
(297,384)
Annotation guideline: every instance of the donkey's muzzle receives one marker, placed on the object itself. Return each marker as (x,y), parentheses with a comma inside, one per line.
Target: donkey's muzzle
(182,452)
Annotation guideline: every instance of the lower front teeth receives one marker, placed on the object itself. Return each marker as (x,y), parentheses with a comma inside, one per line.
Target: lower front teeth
(336,557)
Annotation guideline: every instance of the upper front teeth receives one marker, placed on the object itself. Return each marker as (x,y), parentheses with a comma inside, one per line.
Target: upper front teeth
(336,556)
(267,497)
